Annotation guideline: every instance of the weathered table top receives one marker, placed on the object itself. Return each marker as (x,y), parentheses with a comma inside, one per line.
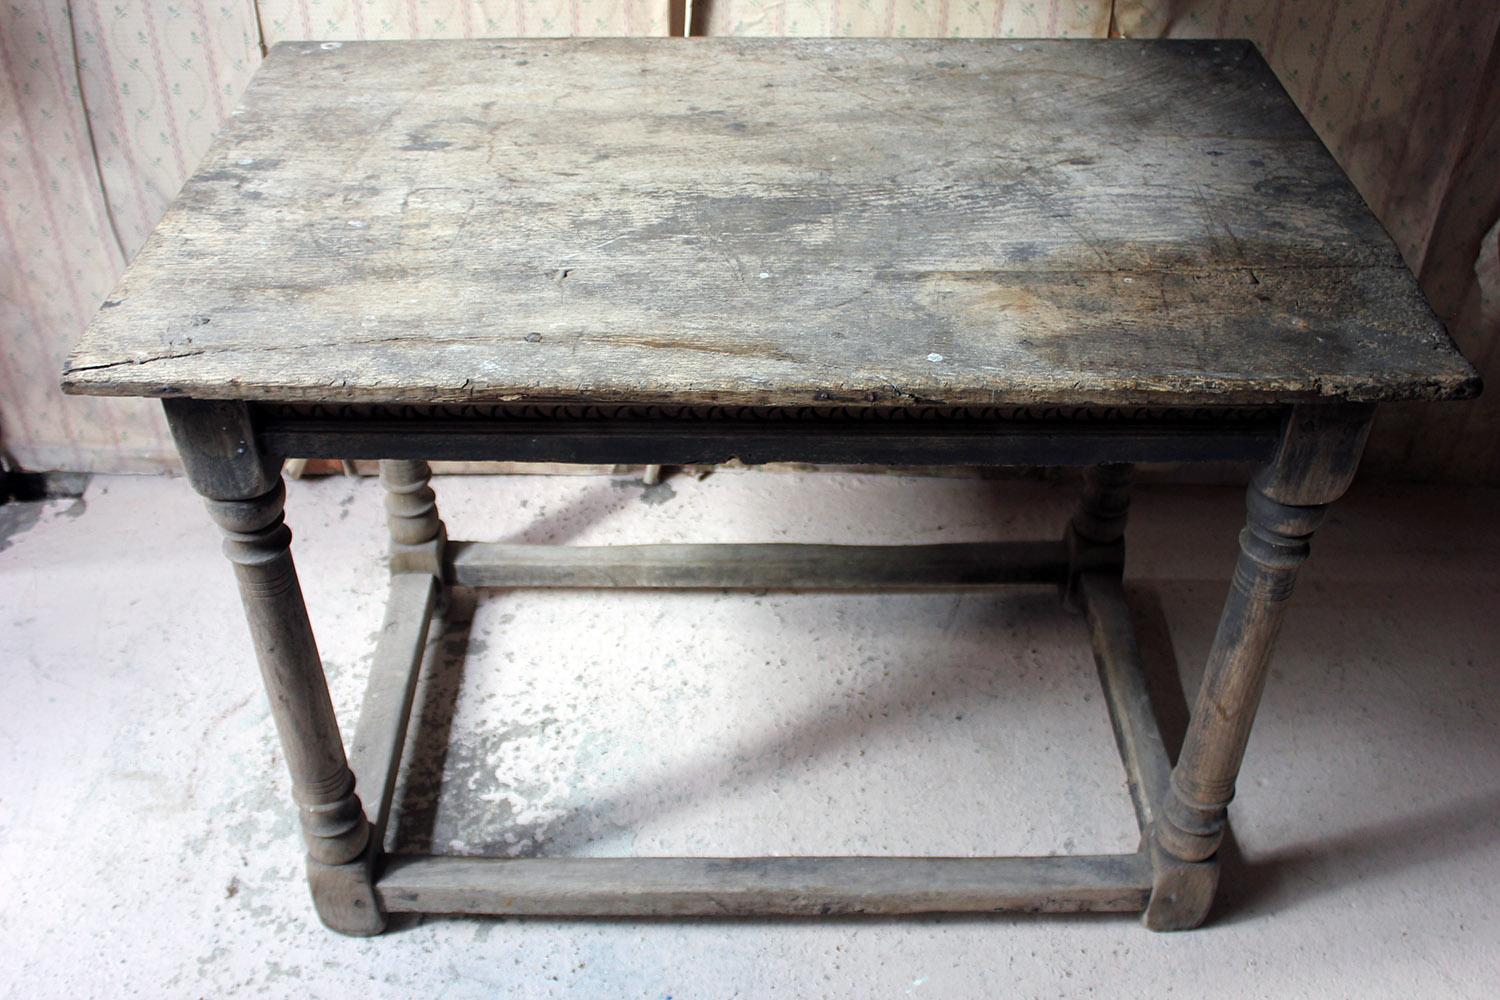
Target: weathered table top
(770,222)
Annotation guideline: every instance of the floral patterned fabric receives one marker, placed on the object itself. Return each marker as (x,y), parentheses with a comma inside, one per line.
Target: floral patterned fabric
(106,106)
(909,18)
(102,114)
(301,19)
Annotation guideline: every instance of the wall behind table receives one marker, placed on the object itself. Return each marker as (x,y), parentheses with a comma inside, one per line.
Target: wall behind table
(296,20)
(105,107)
(904,18)
(103,114)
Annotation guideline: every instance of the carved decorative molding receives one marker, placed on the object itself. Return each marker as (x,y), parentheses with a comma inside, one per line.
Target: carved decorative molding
(651,412)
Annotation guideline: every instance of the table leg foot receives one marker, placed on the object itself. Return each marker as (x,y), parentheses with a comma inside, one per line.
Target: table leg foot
(344,895)
(1182,892)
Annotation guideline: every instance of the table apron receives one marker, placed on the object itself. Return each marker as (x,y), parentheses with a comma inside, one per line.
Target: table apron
(914,443)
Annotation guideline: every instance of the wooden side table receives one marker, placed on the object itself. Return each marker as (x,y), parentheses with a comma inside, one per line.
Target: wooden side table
(889,252)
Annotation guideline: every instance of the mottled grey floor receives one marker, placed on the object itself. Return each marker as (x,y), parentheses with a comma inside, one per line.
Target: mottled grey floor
(147,846)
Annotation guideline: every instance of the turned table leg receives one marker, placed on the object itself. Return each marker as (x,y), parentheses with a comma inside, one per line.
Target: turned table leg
(1095,537)
(1314,464)
(245,494)
(417,533)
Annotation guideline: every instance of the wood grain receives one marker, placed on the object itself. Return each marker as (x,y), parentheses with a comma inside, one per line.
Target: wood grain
(258,543)
(726,887)
(771,222)
(760,566)
(380,735)
(1285,504)
(1122,675)
(1181,891)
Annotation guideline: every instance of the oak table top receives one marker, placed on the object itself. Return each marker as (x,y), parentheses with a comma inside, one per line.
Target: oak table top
(769,222)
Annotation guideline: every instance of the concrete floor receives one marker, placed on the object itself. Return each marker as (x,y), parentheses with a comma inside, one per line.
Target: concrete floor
(147,845)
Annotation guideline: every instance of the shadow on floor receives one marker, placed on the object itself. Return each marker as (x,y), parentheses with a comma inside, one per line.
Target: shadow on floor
(937,683)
